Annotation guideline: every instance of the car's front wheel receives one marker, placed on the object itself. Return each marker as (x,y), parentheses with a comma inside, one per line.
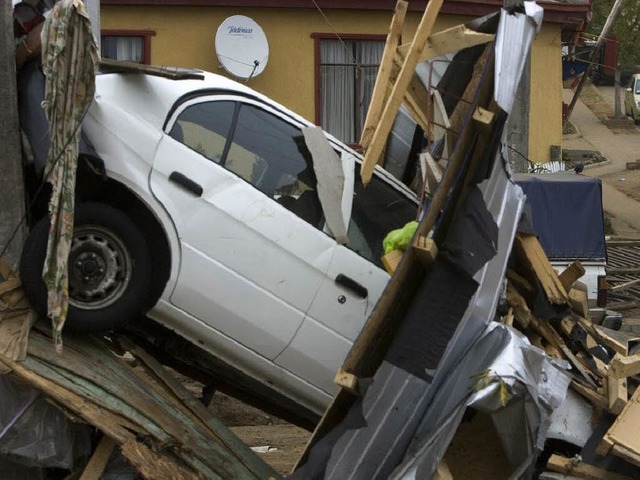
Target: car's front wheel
(109,268)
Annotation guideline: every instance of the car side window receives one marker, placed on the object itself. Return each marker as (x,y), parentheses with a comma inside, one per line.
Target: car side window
(637,89)
(377,209)
(270,153)
(204,128)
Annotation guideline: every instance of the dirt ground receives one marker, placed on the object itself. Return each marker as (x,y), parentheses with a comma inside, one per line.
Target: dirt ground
(628,182)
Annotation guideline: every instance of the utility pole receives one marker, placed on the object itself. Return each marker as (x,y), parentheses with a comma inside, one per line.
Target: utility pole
(12,197)
(594,53)
(617,109)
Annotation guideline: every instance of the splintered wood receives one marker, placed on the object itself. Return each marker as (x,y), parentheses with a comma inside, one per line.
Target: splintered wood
(552,310)
(160,428)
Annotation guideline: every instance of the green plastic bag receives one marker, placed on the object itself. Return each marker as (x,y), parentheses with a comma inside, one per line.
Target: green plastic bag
(400,238)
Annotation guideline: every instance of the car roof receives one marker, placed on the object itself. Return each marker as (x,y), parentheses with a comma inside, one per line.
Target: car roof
(151,97)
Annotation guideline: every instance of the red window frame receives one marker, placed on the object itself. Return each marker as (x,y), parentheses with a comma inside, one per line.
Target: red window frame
(317,87)
(144,34)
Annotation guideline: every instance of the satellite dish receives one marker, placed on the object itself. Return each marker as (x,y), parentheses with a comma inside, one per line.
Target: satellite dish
(242,47)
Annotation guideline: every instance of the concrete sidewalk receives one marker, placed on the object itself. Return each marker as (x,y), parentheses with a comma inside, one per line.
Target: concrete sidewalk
(619,148)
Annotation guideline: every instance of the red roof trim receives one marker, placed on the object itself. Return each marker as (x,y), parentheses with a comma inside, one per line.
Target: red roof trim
(554,12)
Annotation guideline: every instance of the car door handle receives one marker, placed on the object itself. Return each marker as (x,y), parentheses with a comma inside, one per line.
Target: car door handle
(186,183)
(351,284)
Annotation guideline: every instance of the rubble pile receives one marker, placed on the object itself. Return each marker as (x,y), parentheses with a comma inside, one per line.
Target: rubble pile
(552,311)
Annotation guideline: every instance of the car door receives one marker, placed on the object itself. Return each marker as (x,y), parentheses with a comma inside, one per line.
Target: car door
(230,172)
(354,283)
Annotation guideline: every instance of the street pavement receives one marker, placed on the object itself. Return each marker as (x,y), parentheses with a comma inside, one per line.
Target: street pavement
(619,147)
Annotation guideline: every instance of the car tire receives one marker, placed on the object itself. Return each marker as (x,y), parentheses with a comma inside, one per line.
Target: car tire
(109,269)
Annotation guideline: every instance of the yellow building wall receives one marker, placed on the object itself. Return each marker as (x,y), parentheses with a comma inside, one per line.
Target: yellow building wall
(545,96)
(185,38)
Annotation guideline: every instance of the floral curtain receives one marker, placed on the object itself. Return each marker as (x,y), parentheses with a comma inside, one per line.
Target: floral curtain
(69,62)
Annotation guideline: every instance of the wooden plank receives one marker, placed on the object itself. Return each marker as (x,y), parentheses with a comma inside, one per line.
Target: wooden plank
(173,73)
(441,123)
(590,394)
(418,99)
(153,465)
(520,283)
(384,71)
(623,367)
(550,335)
(520,308)
(346,380)
(531,250)
(579,302)
(9,285)
(571,274)
(99,459)
(623,271)
(447,41)
(625,285)
(508,318)
(576,468)
(624,431)
(616,340)
(617,393)
(233,444)
(626,454)
(391,260)
(390,110)
(105,398)
(432,172)
(113,425)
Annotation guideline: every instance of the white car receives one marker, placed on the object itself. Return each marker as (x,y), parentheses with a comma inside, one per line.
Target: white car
(200,208)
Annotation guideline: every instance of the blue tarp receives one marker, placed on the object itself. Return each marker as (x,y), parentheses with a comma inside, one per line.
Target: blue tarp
(567,216)
(571,69)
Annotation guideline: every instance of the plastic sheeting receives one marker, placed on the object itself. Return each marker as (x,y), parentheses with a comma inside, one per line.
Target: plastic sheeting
(34,433)
(566,214)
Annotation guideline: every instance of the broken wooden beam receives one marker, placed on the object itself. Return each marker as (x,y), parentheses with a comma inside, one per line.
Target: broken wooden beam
(407,71)
(579,302)
(99,459)
(447,41)
(617,393)
(577,468)
(384,72)
(622,438)
(571,274)
(133,410)
(391,260)
(530,250)
(625,366)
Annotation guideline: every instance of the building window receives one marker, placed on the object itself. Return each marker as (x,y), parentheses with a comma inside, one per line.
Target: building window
(128,45)
(346,72)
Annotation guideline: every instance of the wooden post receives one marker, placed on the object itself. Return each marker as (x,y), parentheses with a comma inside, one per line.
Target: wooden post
(12,196)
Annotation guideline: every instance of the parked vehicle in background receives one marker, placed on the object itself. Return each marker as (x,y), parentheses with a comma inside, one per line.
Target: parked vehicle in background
(566,214)
(632,98)
(200,208)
